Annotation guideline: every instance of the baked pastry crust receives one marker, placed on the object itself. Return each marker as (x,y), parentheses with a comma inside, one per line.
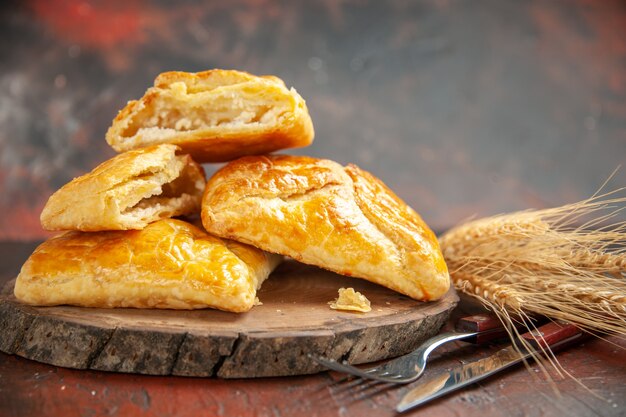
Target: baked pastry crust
(215,116)
(320,213)
(128,192)
(169,264)
(351,300)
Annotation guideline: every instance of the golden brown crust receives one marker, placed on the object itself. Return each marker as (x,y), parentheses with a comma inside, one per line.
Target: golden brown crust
(169,264)
(215,116)
(128,192)
(350,300)
(320,213)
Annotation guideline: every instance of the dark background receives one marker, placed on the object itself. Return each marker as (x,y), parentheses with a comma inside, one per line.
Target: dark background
(462,107)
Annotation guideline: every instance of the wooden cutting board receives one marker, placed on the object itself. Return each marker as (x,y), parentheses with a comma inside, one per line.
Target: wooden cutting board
(273,339)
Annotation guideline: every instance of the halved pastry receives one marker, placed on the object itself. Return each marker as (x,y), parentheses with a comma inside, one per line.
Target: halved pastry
(128,192)
(169,264)
(215,116)
(320,213)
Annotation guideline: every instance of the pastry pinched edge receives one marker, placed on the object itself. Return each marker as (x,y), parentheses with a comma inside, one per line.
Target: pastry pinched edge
(320,213)
(128,191)
(215,116)
(170,264)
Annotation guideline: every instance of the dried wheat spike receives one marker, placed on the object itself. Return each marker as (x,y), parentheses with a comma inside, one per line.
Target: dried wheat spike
(567,263)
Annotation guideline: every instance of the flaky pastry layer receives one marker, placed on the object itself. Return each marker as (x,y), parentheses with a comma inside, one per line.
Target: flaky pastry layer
(169,264)
(351,300)
(320,213)
(215,116)
(128,192)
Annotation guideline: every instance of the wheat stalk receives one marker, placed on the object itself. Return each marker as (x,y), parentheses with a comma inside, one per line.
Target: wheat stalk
(567,263)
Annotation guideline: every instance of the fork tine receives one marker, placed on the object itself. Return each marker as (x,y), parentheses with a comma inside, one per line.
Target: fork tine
(351,370)
(340,367)
(377,373)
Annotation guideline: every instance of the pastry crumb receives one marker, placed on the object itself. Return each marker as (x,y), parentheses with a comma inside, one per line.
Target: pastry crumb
(257,302)
(351,300)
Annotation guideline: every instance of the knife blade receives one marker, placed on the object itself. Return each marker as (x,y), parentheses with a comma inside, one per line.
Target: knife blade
(552,335)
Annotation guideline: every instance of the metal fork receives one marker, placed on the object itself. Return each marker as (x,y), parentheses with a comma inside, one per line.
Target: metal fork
(410,367)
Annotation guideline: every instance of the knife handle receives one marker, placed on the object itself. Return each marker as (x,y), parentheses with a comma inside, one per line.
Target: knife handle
(489,327)
(551,334)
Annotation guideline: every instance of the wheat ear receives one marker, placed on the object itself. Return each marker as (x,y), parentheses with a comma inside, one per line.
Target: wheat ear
(567,263)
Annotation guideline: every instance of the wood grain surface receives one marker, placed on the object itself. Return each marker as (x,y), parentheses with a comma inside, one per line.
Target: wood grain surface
(273,339)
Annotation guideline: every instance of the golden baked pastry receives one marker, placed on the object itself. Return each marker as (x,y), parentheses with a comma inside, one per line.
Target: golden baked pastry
(169,264)
(128,192)
(215,116)
(350,300)
(320,213)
